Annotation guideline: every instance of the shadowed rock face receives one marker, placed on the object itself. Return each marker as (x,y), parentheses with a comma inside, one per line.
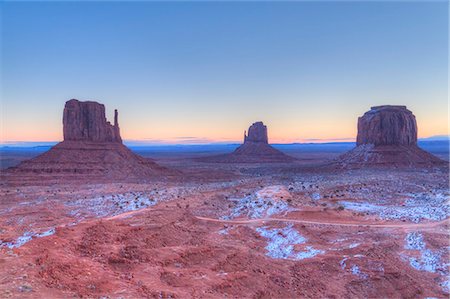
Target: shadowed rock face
(86,121)
(92,150)
(387,125)
(257,133)
(387,136)
(255,149)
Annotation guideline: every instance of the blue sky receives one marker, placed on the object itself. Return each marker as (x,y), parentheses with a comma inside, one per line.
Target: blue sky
(206,71)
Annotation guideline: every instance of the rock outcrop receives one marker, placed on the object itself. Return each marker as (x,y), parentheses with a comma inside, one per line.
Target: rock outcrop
(257,133)
(387,125)
(387,136)
(86,121)
(255,149)
(92,150)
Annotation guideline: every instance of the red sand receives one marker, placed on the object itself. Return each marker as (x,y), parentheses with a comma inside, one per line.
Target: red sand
(180,246)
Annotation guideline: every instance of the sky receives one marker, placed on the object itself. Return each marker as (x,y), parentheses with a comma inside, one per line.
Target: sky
(199,72)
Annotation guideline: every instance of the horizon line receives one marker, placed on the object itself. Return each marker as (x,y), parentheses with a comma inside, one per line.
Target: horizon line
(205,141)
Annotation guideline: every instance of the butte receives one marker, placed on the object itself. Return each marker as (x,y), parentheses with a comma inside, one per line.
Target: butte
(92,149)
(387,136)
(255,149)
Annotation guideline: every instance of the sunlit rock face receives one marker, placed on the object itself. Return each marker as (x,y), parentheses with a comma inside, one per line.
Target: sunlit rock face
(257,132)
(86,121)
(387,125)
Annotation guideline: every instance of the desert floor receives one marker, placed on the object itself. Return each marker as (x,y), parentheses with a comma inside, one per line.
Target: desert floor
(229,231)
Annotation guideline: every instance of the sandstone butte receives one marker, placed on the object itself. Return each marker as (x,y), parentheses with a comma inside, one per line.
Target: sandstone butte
(255,149)
(92,149)
(387,136)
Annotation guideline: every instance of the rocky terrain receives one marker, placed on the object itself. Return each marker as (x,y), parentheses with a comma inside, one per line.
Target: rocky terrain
(255,149)
(387,136)
(236,231)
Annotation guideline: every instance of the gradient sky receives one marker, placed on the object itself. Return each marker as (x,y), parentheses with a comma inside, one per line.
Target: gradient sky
(204,71)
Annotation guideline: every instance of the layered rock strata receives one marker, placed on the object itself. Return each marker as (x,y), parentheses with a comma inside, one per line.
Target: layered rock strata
(387,136)
(92,149)
(255,149)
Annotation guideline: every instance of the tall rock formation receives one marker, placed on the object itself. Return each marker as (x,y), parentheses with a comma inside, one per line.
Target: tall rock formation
(255,149)
(86,121)
(257,133)
(92,150)
(387,136)
(387,125)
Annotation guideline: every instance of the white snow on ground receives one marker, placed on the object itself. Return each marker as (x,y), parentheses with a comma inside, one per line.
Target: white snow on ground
(417,208)
(429,260)
(225,230)
(316,196)
(354,268)
(446,284)
(354,245)
(343,263)
(281,243)
(25,238)
(414,241)
(111,205)
(115,204)
(343,243)
(356,271)
(265,202)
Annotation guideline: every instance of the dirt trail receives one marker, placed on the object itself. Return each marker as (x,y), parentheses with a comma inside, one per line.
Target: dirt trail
(262,220)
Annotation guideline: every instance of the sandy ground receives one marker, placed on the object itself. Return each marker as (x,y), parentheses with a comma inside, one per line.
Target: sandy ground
(230,231)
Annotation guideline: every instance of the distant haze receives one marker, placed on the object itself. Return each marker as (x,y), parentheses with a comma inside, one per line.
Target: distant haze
(202,72)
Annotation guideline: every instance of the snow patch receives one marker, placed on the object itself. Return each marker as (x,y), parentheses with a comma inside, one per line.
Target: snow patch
(316,196)
(260,204)
(414,241)
(354,245)
(25,238)
(281,243)
(225,231)
(343,263)
(416,208)
(356,271)
(429,260)
(111,205)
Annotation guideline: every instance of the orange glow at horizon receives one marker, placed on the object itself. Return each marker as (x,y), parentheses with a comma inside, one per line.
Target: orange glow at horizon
(174,135)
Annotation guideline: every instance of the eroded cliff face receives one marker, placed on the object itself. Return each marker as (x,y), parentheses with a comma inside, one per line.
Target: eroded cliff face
(257,132)
(255,149)
(387,125)
(387,137)
(92,150)
(86,121)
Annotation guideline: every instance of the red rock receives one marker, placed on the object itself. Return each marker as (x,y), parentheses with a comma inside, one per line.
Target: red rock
(257,133)
(387,125)
(255,149)
(387,136)
(86,121)
(92,149)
